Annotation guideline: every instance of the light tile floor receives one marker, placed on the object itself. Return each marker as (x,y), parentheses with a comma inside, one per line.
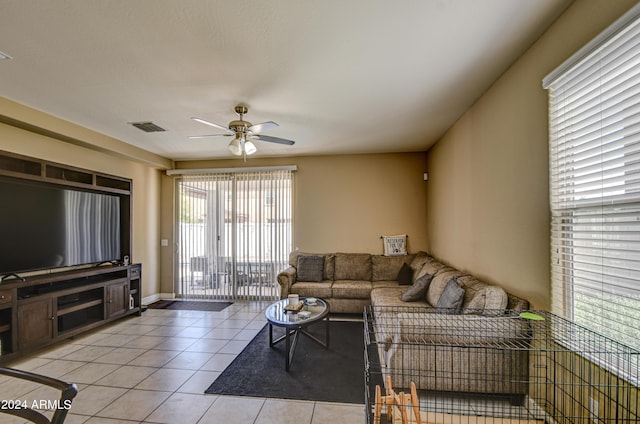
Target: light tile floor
(155,368)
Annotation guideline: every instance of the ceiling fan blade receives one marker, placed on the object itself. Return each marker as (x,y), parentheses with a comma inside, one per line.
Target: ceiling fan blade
(211,124)
(263,126)
(276,140)
(210,135)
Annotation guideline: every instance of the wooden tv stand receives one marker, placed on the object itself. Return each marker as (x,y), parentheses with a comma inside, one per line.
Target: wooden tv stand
(50,307)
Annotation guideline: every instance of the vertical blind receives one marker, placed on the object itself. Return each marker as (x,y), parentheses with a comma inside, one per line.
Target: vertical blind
(234,233)
(594,143)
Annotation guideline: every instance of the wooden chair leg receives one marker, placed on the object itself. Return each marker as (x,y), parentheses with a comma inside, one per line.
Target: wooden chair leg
(378,405)
(415,403)
(401,401)
(389,399)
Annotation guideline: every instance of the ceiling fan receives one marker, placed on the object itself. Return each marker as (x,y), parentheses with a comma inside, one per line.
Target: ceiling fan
(244,133)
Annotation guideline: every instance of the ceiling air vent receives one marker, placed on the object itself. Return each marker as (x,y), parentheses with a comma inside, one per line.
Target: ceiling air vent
(147,127)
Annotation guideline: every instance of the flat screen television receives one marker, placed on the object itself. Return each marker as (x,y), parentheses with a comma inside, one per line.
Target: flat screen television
(47,226)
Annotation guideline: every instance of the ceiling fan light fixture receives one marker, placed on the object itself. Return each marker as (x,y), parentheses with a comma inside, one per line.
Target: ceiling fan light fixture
(236,146)
(249,147)
(240,146)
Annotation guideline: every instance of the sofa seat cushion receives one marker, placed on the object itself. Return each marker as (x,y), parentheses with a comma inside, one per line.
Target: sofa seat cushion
(386,283)
(321,289)
(385,268)
(390,297)
(353,266)
(351,289)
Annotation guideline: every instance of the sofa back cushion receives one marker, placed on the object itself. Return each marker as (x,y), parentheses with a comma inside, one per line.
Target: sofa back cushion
(516,303)
(353,266)
(329,262)
(431,266)
(417,263)
(483,298)
(386,268)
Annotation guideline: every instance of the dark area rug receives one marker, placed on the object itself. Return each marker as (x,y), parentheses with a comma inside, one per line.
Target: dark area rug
(189,305)
(331,375)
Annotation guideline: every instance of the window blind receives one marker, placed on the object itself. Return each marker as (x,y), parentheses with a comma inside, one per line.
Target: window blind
(234,232)
(594,147)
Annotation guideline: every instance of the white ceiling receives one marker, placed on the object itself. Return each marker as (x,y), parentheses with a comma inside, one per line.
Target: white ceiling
(339,76)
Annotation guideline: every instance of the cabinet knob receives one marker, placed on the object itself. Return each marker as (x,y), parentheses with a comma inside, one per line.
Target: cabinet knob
(53,318)
(2,297)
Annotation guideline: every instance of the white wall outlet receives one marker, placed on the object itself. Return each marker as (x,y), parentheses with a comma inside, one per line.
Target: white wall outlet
(164,242)
(594,410)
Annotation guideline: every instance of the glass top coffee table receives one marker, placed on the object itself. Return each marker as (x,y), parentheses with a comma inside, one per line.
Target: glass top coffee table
(294,323)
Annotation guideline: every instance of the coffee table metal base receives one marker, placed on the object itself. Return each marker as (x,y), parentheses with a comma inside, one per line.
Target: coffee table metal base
(290,338)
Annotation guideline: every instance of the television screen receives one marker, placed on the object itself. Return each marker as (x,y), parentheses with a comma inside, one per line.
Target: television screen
(44,226)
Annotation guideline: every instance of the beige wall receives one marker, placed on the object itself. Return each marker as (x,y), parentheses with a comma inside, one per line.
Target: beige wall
(488,209)
(146,178)
(342,203)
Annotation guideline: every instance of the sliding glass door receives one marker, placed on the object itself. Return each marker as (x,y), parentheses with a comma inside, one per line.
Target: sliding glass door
(234,234)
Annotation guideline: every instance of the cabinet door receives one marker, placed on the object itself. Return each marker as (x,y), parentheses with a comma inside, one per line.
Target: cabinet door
(35,323)
(135,286)
(117,299)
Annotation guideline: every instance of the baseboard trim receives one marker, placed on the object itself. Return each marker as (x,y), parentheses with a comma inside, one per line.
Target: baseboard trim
(158,296)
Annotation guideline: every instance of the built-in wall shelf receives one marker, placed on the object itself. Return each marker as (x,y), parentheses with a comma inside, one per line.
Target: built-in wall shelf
(18,166)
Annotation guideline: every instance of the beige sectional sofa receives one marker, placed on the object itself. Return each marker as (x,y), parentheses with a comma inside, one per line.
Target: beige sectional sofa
(347,280)
(417,341)
(352,281)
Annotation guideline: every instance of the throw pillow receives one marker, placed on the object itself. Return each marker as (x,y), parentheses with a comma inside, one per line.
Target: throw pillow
(418,290)
(395,245)
(405,276)
(310,268)
(450,301)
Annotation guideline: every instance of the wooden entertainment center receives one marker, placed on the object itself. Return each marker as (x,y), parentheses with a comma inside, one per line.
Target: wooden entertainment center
(41,307)
(51,307)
